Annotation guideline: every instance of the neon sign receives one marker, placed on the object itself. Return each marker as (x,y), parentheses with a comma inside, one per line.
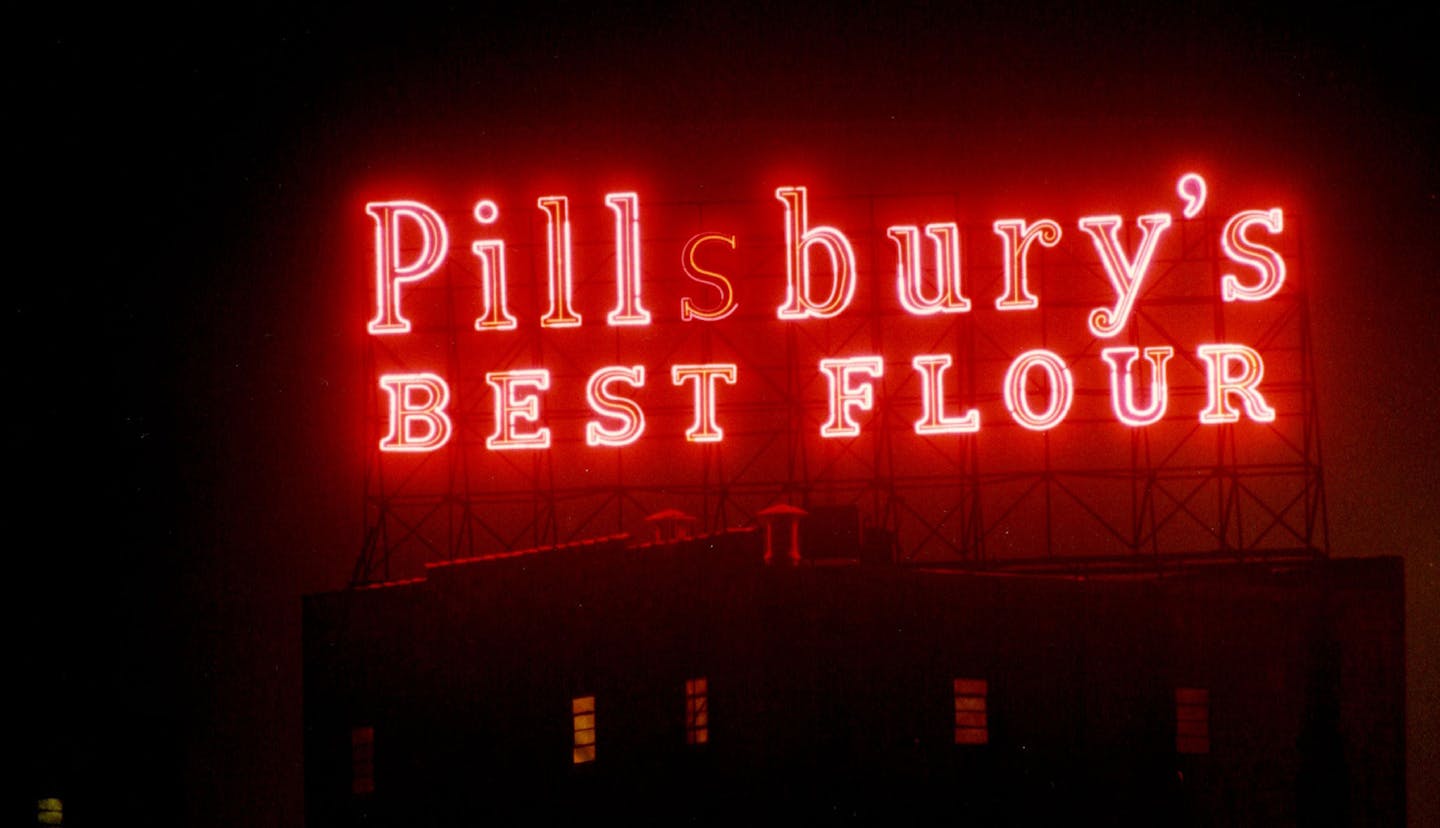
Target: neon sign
(820,267)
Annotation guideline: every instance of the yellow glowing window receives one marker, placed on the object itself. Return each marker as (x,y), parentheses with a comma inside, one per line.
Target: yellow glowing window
(1192,720)
(582,712)
(362,759)
(50,811)
(971,724)
(697,712)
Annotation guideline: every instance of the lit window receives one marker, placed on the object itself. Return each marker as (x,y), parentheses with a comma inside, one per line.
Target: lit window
(50,811)
(362,759)
(697,712)
(1192,720)
(582,711)
(971,727)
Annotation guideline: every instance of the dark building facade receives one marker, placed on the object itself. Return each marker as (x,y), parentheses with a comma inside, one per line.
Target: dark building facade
(692,682)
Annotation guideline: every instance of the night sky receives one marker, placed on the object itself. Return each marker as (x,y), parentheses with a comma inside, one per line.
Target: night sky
(189,270)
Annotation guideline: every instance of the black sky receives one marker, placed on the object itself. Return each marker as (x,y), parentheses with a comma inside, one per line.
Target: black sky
(183,327)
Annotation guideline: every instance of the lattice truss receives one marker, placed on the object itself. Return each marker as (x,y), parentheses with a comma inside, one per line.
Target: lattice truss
(1089,488)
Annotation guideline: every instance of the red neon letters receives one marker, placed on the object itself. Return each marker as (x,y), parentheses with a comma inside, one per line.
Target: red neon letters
(418,421)
(800,237)
(1016,237)
(1241,251)
(627,260)
(1122,384)
(403,257)
(845,394)
(1224,382)
(688,309)
(412,242)
(390,273)
(949,298)
(933,419)
(632,419)
(491,253)
(705,429)
(513,406)
(1126,275)
(1061,390)
(557,218)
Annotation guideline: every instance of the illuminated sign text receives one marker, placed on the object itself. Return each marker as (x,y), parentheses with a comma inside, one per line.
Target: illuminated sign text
(921,269)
